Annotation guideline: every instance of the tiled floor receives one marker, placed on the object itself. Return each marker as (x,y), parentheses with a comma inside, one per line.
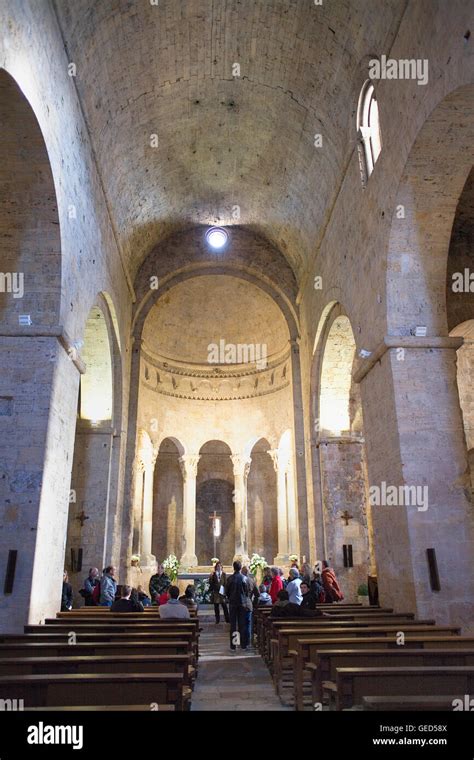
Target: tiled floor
(230,681)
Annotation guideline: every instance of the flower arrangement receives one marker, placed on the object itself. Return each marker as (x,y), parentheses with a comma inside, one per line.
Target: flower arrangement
(203,593)
(171,567)
(257,563)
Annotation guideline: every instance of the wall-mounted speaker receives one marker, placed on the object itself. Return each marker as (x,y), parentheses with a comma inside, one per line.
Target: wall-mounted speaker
(10,573)
(433,568)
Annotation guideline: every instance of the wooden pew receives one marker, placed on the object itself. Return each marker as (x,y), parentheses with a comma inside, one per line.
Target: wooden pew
(308,649)
(103,708)
(285,640)
(157,663)
(107,689)
(323,666)
(352,684)
(109,638)
(433,703)
(94,648)
(270,625)
(166,628)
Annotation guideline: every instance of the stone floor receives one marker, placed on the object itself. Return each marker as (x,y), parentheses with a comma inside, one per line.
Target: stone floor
(227,680)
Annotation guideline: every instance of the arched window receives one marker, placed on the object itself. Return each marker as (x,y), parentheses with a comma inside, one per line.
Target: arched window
(368,130)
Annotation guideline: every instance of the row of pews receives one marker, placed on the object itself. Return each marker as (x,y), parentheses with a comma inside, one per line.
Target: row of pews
(365,658)
(93,659)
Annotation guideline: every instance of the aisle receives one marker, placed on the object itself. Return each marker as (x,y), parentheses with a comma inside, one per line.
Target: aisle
(230,681)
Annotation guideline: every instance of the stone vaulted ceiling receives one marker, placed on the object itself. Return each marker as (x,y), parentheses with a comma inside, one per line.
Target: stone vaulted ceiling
(223,141)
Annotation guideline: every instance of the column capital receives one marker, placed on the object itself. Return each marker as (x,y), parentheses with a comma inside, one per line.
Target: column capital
(189,465)
(281,461)
(241,464)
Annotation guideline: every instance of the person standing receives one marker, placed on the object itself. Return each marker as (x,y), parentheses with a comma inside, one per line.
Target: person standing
(276,584)
(108,587)
(158,584)
(66,595)
(252,599)
(217,584)
(236,592)
(294,582)
(317,588)
(87,591)
(330,584)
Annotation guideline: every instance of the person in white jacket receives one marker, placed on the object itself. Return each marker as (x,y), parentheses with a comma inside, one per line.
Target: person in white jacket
(293,587)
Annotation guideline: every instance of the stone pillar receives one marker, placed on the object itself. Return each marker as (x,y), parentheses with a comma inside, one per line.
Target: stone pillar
(38,402)
(241,466)
(147,558)
(189,465)
(415,437)
(293,543)
(299,474)
(137,503)
(280,469)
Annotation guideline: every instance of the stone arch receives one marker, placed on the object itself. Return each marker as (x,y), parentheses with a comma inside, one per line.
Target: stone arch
(93,538)
(340,481)
(433,179)
(262,515)
(30,284)
(214,491)
(35,468)
(168,500)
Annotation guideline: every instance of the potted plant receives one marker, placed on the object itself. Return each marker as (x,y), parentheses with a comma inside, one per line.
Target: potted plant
(171,567)
(363,594)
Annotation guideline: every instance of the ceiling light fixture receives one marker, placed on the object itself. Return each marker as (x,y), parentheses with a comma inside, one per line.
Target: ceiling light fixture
(217,237)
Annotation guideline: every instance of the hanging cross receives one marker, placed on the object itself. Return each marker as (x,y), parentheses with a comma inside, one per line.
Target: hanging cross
(82,517)
(346,516)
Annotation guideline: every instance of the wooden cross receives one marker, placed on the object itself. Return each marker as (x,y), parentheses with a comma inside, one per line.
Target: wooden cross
(346,516)
(82,517)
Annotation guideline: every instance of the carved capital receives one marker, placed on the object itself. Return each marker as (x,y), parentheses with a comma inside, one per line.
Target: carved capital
(189,465)
(241,465)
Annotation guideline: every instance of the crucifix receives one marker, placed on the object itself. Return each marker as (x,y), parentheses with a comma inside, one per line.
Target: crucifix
(82,517)
(346,516)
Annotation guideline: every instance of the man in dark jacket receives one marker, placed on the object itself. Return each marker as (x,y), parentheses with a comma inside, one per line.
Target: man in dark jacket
(125,603)
(159,583)
(309,600)
(236,591)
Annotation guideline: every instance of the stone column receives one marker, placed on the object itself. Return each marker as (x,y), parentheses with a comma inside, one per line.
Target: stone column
(137,503)
(147,558)
(280,469)
(299,472)
(241,466)
(415,440)
(293,543)
(189,465)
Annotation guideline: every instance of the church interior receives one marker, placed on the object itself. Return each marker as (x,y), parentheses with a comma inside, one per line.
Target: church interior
(237,324)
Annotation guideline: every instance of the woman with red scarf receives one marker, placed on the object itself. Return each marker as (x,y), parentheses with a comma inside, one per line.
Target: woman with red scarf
(276,584)
(330,584)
